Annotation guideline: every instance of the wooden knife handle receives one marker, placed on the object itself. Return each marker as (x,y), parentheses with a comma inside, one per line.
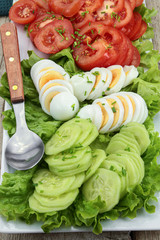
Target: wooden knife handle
(12,61)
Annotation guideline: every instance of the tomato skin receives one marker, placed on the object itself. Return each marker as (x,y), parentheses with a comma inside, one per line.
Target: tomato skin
(139,2)
(136,57)
(123,50)
(23,12)
(55,36)
(68,9)
(137,24)
(124,16)
(141,31)
(40,22)
(128,28)
(129,57)
(133,4)
(43,4)
(80,21)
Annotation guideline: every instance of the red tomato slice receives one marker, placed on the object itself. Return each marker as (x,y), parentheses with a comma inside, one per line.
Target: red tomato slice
(40,12)
(128,28)
(80,21)
(23,12)
(128,59)
(142,30)
(123,17)
(137,24)
(43,4)
(67,8)
(139,2)
(55,36)
(133,4)
(136,57)
(90,56)
(40,22)
(91,6)
(110,6)
(123,49)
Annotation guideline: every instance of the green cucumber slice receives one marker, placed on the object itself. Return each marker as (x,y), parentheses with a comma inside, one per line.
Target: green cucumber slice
(43,204)
(79,180)
(49,184)
(98,157)
(140,133)
(103,183)
(64,138)
(130,166)
(91,137)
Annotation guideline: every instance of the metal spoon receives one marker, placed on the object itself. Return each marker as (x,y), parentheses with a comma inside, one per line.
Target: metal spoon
(24,149)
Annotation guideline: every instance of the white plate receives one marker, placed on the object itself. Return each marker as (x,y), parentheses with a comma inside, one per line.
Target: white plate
(143,221)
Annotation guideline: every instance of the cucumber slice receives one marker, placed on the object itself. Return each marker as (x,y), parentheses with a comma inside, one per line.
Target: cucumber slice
(106,184)
(44,204)
(122,142)
(71,169)
(49,184)
(140,133)
(118,168)
(89,131)
(98,157)
(78,181)
(65,137)
(130,166)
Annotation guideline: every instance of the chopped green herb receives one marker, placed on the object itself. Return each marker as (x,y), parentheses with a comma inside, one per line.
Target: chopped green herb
(73,106)
(113,109)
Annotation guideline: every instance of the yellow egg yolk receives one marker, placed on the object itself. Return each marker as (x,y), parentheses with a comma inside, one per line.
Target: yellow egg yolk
(133,103)
(45,69)
(126,107)
(48,99)
(116,74)
(115,108)
(105,116)
(51,85)
(98,78)
(50,75)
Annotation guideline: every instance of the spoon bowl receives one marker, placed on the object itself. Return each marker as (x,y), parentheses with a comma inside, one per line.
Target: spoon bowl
(24,149)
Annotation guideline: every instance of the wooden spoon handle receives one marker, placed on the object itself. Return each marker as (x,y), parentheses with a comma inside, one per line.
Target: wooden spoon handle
(12,61)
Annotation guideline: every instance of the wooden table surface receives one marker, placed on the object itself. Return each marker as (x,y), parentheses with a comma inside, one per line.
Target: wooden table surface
(146,235)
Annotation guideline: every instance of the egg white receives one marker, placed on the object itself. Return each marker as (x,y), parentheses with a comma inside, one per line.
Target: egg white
(131,73)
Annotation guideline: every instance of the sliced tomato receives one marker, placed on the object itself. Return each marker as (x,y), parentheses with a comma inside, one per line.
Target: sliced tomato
(55,36)
(23,11)
(67,8)
(123,50)
(136,57)
(123,17)
(128,28)
(91,6)
(142,30)
(43,4)
(40,22)
(128,59)
(137,25)
(80,21)
(90,56)
(133,4)
(139,2)
(110,6)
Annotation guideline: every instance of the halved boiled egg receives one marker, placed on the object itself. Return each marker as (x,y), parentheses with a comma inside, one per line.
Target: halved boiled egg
(131,73)
(92,112)
(128,108)
(82,84)
(56,82)
(118,111)
(46,70)
(47,96)
(107,113)
(64,106)
(103,80)
(118,79)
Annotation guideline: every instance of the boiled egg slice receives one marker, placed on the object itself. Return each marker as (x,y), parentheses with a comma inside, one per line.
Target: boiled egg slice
(103,80)
(131,73)
(127,105)
(108,116)
(82,85)
(64,106)
(118,79)
(118,111)
(93,112)
(47,96)
(56,82)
